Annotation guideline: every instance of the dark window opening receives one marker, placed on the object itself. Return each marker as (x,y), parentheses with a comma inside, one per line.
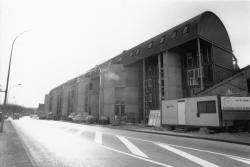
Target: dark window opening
(193,77)
(185,30)
(161,60)
(150,45)
(116,109)
(118,61)
(149,83)
(89,110)
(206,107)
(119,108)
(137,51)
(190,60)
(205,55)
(162,82)
(162,39)
(248,85)
(174,34)
(86,107)
(208,75)
(90,86)
(162,74)
(122,108)
(162,93)
(150,97)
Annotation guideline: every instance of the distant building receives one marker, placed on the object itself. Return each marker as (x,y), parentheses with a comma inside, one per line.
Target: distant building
(40,111)
(46,104)
(186,61)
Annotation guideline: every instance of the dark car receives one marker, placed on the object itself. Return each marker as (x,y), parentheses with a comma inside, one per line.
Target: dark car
(50,116)
(42,116)
(104,120)
(90,119)
(16,116)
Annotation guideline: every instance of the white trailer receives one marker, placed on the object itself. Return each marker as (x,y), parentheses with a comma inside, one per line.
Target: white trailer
(208,111)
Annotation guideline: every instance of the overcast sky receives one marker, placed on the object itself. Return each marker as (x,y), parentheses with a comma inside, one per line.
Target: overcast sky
(65,38)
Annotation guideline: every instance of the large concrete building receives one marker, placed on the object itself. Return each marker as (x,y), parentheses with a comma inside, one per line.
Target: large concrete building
(185,61)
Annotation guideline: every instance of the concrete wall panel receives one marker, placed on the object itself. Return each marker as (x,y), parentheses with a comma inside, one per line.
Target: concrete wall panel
(172,75)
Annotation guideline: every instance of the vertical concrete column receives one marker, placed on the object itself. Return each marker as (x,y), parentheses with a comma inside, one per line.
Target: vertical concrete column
(100,93)
(200,64)
(172,75)
(159,83)
(76,95)
(143,91)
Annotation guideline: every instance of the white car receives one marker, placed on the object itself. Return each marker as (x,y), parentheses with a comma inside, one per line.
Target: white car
(34,116)
(72,115)
(80,117)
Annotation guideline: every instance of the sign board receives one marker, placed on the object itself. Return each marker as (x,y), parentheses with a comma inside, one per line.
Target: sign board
(154,118)
(235,103)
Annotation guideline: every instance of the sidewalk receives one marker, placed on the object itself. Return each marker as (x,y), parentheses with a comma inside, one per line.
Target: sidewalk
(12,152)
(238,138)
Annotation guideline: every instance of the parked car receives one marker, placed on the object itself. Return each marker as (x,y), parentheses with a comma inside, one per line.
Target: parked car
(34,116)
(16,116)
(50,116)
(71,115)
(80,117)
(42,116)
(6,115)
(104,120)
(90,119)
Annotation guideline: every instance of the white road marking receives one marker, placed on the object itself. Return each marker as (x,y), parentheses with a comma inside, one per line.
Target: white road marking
(247,161)
(188,156)
(98,137)
(135,150)
(206,151)
(135,156)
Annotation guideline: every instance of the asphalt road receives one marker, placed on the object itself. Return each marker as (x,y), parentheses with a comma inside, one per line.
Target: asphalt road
(62,144)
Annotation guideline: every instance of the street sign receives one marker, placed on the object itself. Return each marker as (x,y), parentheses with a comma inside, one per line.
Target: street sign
(235,103)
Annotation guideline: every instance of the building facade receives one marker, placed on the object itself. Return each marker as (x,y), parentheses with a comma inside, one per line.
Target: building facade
(178,63)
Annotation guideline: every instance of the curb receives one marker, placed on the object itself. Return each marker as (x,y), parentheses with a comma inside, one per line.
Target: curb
(192,137)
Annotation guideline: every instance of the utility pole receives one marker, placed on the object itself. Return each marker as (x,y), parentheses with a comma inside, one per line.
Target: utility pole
(7,83)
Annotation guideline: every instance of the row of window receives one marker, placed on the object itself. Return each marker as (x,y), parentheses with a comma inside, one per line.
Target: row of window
(162,40)
(150,45)
(185,31)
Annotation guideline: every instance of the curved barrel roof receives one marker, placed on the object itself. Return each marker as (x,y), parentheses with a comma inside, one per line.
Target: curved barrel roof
(206,26)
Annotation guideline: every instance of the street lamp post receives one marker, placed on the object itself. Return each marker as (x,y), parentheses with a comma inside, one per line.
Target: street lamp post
(7,83)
